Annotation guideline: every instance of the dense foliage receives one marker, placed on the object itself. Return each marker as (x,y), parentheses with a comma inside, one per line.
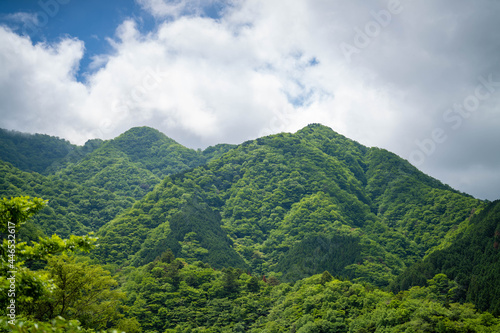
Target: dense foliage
(472,260)
(134,162)
(363,212)
(40,282)
(88,186)
(303,232)
(35,152)
(72,207)
(68,294)
(169,295)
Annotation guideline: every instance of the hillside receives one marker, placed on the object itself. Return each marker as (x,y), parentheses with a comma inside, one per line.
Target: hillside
(169,295)
(304,231)
(472,260)
(33,152)
(135,161)
(72,208)
(70,293)
(87,186)
(364,212)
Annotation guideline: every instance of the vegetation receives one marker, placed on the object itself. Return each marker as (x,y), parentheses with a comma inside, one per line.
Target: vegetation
(32,152)
(303,232)
(134,162)
(90,185)
(68,294)
(59,285)
(170,295)
(72,208)
(372,213)
(472,261)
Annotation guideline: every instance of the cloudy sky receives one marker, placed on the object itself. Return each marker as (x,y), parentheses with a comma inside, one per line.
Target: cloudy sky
(419,78)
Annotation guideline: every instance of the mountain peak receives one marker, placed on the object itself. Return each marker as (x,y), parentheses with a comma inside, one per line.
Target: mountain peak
(317,126)
(145,134)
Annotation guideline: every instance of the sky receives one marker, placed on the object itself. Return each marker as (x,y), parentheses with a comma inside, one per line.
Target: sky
(418,78)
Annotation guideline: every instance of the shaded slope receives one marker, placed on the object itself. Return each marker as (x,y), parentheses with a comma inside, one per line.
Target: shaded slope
(72,208)
(32,152)
(472,260)
(171,217)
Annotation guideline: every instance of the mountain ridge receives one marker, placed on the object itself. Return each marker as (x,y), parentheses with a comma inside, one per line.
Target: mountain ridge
(265,191)
(88,185)
(288,205)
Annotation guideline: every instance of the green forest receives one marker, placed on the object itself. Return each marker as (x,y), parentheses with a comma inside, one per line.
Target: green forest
(293,232)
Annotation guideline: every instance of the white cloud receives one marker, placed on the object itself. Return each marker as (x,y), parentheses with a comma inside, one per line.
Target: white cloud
(264,67)
(162,8)
(37,85)
(24,18)
(176,8)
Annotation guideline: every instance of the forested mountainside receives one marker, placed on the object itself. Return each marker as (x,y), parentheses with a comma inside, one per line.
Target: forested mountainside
(472,260)
(35,152)
(89,185)
(70,294)
(293,232)
(360,213)
(134,162)
(73,208)
(170,295)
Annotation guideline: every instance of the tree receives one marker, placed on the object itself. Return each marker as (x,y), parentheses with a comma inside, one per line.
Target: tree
(191,248)
(230,280)
(68,288)
(326,277)
(29,285)
(252,284)
(443,288)
(16,211)
(84,292)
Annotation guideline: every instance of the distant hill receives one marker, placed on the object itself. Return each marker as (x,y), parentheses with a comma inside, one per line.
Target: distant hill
(32,152)
(134,162)
(87,186)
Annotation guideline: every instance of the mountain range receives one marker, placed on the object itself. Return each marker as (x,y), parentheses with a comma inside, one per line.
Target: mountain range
(289,206)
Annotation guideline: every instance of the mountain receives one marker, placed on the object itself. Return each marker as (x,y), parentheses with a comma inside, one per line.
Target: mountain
(263,205)
(87,186)
(472,260)
(72,207)
(134,162)
(363,212)
(299,232)
(32,152)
